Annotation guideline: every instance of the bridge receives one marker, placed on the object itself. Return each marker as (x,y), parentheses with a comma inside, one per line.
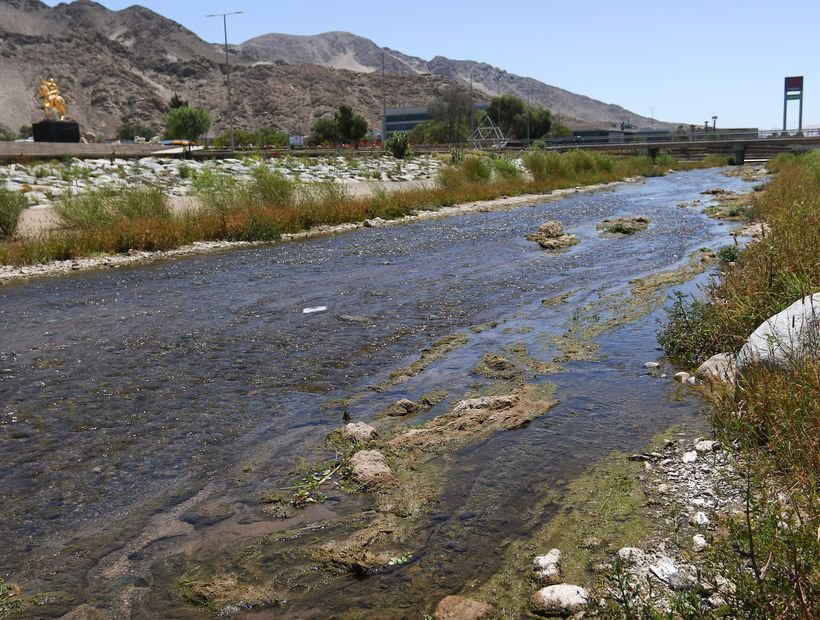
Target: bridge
(757,146)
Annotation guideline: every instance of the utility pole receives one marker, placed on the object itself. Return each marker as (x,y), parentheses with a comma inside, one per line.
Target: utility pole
(498,90)
(472,108)
(528,117)
(384,105)
(714,123)
(224,17)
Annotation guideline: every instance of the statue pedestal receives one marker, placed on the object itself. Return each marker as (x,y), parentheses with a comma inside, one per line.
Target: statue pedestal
(56,131)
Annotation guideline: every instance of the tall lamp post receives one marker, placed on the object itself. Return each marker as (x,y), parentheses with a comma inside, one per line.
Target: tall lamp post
(224,17)
(714,123)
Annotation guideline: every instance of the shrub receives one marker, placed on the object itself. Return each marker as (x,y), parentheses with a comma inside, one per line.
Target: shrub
(505,168)
(476,169)
(102,208)
(728,253)
(271,188)
(12,205)
(398,144)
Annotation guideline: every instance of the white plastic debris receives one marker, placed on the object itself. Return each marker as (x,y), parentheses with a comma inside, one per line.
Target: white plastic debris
(313,309)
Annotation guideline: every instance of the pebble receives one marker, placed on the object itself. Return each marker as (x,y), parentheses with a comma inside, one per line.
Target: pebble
(651,365)
(699,519)
(699,542)
(689,457)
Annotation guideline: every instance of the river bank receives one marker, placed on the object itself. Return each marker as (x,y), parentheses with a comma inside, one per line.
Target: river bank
(9,273)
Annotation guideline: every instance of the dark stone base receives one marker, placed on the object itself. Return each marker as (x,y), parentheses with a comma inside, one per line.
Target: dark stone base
(56,131)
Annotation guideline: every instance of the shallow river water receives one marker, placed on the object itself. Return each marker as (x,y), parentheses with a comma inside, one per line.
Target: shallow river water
(142,410)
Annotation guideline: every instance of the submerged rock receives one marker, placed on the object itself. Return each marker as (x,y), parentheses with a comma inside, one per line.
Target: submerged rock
(369,467)
(403,407)
(551,236)
(560,600)
(461,608)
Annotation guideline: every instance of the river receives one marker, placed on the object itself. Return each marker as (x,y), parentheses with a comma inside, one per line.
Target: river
(143,409)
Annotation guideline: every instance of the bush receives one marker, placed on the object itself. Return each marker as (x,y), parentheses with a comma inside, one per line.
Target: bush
(131,129)
(505,168)
(271,188)
(728,253)
(398,144)
(476,170)
(12,205)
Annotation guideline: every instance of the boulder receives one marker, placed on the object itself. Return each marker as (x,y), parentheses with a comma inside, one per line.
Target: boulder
(461,608)
(548,567)
(560,600)
(720,368)
(794,332)
(707,445)
(369,467)
(631,555)
(359,431)
(682,377)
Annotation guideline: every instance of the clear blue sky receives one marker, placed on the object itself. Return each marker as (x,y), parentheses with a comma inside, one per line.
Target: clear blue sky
(680,61)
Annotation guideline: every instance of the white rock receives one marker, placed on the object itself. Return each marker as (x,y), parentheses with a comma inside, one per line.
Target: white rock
(631,555)
(707,445)
(720,368)
(358,431)
(689,457)
(793,332)
(651,365)
(548,567)
(560,600)
(663,488)
(664,568)
(699,542)
(681,377)
(699,518)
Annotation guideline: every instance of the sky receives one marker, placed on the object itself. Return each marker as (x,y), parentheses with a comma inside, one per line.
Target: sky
(677,61)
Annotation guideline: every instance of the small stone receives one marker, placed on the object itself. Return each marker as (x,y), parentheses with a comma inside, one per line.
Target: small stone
(359,431)
(631,555)
(689,457)
(651,365)
(370,467)
(681,377)
(699,542)
(699,518)
(663,488)
(560,600)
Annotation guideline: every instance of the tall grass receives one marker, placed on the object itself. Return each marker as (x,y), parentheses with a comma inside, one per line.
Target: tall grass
(104,207)
(12,205)
(773,413)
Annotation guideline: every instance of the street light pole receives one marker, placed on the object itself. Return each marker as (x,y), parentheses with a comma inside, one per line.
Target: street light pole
(224,17)
(714,123)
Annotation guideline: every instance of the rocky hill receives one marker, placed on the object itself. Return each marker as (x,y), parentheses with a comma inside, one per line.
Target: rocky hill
(343,50)
(113,66)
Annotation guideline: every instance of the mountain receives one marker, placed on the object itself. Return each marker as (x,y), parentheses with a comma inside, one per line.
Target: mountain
(113,66)
(343,50)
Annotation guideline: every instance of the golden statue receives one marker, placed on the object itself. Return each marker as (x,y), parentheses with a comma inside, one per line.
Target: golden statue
(52,100)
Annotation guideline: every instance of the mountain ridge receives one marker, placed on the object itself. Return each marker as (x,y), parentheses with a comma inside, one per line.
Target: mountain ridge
(115,66)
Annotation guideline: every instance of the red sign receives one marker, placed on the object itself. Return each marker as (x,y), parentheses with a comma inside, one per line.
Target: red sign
(794,83)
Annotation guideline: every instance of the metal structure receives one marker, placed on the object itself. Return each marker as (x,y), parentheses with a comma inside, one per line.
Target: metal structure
(793,90)
(224,17)
(488,135)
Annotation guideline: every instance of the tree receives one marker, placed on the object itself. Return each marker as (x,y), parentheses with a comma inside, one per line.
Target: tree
(515,114)
(186,123)
(345,126)
(451,114)
(130,129)
(351,127)
(177,102)
(324,131)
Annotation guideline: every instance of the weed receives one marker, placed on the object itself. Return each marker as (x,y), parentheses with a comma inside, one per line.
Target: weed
(12,205)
